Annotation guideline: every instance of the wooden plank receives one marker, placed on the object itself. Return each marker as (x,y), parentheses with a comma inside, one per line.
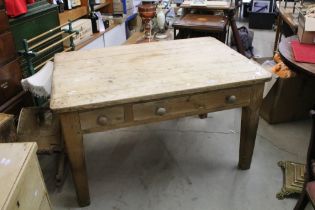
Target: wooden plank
(134,73)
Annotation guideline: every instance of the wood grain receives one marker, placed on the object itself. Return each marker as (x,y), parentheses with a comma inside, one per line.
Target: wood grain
(71,128)
(10,80)
(7,48)
(7,128)
(4,23)
(21,178)
(249,125)
(135,73)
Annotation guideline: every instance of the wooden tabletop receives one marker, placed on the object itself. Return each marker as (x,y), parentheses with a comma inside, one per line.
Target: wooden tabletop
(286,53)
(132,73)
(287,14)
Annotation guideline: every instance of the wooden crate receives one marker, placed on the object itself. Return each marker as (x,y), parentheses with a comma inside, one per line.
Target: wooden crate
(22,184)
(40,125)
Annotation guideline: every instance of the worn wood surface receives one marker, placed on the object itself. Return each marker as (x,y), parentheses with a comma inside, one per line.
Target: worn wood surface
(70,124)
(202,22)
(133,73)
(42,126)
(7,128)
(21,181)
(249,125)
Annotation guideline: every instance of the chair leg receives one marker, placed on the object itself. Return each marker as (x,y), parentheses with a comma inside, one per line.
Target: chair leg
(302,202)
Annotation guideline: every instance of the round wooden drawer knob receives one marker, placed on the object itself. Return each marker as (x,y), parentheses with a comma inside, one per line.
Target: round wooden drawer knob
(231,99)
(102,120)
(161,111)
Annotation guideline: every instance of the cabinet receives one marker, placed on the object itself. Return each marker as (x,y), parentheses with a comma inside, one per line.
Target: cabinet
(22,184)
(12,97)
(41,17)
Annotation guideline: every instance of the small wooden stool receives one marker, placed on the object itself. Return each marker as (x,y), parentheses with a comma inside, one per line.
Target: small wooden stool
(198,25)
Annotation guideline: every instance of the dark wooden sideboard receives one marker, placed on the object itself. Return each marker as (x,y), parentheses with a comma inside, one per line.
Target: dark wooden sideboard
(12,96)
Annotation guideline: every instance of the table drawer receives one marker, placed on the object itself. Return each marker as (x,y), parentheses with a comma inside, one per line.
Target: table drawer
(7,48)
(4,23)
(102,117)
(194,104)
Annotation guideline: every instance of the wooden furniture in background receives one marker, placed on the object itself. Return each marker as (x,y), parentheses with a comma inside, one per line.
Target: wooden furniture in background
(22,184)
(7,128)
(40,18)
(196,25)
(285,15)
(298,91)
(12,97)
(152,82)
(229,10)
(83,10)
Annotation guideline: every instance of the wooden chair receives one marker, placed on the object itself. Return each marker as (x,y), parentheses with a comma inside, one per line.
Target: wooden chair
(198,25)
(308,193)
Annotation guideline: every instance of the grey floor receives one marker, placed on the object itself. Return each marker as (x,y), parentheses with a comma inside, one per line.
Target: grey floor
(186,164)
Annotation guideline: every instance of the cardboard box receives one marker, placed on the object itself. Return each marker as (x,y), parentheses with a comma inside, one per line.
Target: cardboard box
(84,26)
(305,36)
(307,22)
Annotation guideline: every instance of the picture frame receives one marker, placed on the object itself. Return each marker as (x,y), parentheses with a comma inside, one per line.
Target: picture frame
(261,6)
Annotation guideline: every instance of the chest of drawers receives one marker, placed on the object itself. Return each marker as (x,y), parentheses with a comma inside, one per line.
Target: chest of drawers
(22,185)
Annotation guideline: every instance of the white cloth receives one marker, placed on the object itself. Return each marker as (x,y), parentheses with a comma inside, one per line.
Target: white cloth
(39,84)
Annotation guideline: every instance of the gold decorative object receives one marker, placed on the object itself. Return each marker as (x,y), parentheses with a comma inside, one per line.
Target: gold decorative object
(293,178)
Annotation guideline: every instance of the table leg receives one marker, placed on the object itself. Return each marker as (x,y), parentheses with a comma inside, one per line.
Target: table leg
(279,23)
(249,125)
(236,35)
(73,138)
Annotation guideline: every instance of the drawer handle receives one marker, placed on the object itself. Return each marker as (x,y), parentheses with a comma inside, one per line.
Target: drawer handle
(102,120)
(161,111)
(230,99)
(4,85)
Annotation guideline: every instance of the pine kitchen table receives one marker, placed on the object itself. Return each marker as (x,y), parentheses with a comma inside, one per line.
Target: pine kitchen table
(109,88)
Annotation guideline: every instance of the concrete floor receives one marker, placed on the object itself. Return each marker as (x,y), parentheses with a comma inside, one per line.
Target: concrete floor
(186,164)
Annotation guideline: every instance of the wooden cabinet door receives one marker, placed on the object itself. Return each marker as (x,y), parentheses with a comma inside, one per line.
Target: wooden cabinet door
(10,81)
(4,23)
(7,48)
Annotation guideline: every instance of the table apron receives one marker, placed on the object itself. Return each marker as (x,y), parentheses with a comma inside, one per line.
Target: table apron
(126,115)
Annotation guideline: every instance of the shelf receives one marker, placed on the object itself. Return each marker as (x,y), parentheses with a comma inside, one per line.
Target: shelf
(72,14)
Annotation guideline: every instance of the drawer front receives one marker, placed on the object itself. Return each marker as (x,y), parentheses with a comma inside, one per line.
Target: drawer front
(7,48)
(188,105)
(101,118)
(30,189)
(4,23)
(10,80)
